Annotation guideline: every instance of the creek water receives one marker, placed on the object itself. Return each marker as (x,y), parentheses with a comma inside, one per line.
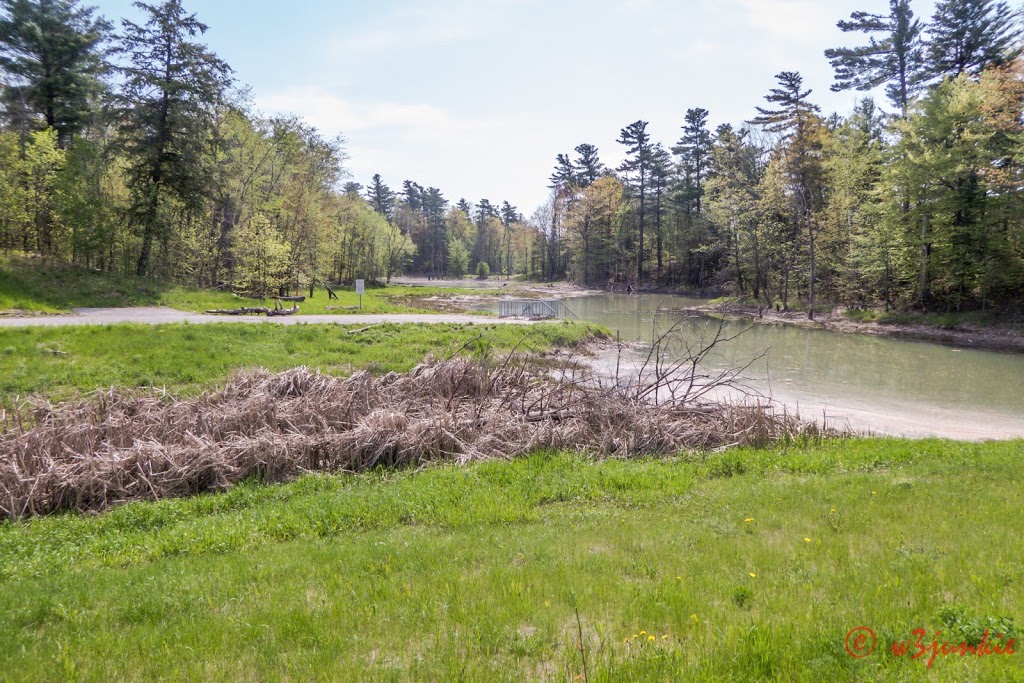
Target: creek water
(866,383)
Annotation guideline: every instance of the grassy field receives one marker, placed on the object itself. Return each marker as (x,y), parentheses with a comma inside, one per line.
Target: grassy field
(31,286)
(185,359)
(750,565)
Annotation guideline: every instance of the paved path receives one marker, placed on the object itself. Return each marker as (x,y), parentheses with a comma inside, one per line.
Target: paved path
(161,316)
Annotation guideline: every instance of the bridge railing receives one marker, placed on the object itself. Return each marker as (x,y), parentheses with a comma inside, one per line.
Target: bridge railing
(534,308)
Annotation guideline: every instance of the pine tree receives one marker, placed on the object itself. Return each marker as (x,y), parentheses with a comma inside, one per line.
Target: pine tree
(896,60)
(968,35)
(661,174)
(171,88)
(53,49)
(464,207)
(484,212)
(381,198)
(694,153)
(587,167)
(637,168)
(564,174)
(413,194)
(802,130)
(434,207)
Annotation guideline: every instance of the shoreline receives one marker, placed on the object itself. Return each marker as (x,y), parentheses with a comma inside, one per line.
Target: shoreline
(1000,339)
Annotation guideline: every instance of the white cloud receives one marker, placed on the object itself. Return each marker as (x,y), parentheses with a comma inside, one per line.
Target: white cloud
(334,114)
(799,22)
(416,25)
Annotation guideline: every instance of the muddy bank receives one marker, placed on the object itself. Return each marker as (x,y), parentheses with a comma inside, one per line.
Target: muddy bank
(966,336)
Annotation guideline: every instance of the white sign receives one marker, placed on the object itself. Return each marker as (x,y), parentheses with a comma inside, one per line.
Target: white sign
(360,287)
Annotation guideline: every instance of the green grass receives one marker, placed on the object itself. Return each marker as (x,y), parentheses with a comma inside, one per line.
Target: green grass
(947,321)
(33,286)
(475,573)
(186,359)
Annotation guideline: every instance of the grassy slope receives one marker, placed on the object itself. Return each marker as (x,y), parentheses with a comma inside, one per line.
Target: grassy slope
(186,359)
(32,286)
(475,573)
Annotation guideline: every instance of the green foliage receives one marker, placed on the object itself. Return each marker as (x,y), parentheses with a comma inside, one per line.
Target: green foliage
(187,359)
(476,573)
(895,60)
(53,51)
(458,258)
(968,36)
(483,270)
(172,87)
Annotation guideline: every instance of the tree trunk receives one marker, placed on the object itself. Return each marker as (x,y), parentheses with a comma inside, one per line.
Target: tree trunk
(810,290)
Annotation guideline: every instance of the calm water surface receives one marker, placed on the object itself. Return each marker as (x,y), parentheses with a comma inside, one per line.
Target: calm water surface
(874,384)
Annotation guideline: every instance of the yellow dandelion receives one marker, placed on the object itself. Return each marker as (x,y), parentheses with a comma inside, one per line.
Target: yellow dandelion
(651,638)
(643,633)
(833,510)
(874,493)
(679,578)
(635,636)
(807,540)
(748,520)
(753,575)
(695,619)
(665,637)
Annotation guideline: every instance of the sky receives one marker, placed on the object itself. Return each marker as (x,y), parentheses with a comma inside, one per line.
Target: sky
(477,97)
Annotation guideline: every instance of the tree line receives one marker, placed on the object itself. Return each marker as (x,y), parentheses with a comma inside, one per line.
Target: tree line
(917,207)
(131,149)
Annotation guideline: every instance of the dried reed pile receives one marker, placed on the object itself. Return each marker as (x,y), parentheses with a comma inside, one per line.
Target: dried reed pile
(115,446)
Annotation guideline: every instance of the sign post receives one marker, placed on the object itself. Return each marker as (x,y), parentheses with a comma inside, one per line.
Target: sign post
(360,290)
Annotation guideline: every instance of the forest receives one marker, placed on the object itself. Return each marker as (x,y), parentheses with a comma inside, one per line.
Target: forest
(131,148)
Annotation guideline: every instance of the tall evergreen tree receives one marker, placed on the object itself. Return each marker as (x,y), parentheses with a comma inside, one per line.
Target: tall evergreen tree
(895,59)
(661,174)
(434,207)
(801,159)
(380,197)
(413,193)
(464,207)
(694,153)
(588,167)
(53,50)
(968,35)
(637,168)
(171,88)
(484,211)
(564,174)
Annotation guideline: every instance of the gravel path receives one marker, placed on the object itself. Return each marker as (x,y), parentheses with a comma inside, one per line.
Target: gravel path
(162,316)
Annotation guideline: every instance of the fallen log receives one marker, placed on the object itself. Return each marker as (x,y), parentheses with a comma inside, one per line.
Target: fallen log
(283,311)
(240,311)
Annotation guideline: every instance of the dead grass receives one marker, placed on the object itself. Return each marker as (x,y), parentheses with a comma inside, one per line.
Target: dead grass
(113,446)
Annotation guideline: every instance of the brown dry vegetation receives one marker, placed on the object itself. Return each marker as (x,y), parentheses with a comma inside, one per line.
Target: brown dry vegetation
(117,446)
